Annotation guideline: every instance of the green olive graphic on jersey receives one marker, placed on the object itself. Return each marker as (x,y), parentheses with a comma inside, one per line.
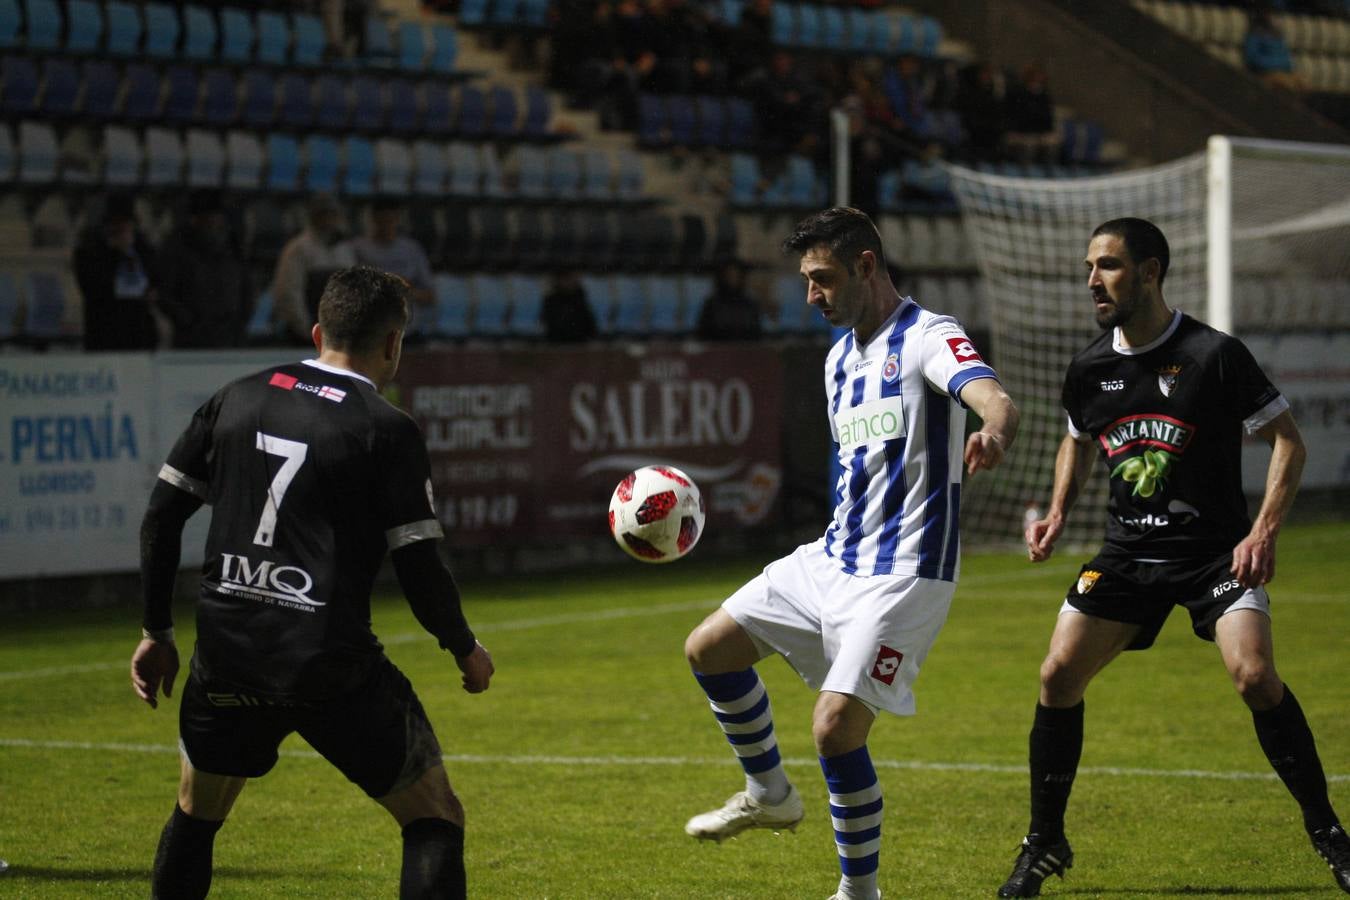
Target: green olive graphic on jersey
(1146,472)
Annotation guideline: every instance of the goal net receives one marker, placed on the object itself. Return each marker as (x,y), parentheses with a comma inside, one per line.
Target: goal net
(1258,233)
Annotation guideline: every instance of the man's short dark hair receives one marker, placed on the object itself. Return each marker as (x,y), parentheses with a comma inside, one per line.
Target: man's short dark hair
(844,231)
(1142,239)
(359,305)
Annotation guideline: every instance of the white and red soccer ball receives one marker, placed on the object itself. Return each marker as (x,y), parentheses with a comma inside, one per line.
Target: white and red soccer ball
(656,514)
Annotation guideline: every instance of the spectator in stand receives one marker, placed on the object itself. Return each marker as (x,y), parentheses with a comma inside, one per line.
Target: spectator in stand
(980,103)
(204,284)
(384,248)
(907,90)
(1266,54)
(113,264)
(792,113)
(729,313)
(926,179)
(1032,136)
(567,314)
(304,266)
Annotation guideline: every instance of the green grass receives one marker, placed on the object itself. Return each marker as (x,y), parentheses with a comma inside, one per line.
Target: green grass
(591,683)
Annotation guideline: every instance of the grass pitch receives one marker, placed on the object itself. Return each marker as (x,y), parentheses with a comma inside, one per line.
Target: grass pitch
(579,767)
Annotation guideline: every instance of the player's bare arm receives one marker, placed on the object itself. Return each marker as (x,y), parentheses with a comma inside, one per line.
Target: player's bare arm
(1073,465)
(999,417)
(1254,556)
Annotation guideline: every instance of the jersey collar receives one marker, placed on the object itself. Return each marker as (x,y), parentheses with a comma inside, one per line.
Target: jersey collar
(334,370)
(1118,344)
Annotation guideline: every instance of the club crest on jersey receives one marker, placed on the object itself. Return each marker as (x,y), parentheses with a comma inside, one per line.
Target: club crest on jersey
(964,350)
(890,370)
(887,664)
(1167,379)
(1087,580)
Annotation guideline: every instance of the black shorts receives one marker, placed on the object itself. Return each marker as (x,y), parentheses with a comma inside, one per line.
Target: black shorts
(378,735)
(1116,586)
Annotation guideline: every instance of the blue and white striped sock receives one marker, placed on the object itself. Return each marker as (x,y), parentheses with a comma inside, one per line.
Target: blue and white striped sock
(855,809)
(741,705)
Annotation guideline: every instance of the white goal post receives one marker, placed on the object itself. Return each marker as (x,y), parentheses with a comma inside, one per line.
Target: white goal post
(1260,242)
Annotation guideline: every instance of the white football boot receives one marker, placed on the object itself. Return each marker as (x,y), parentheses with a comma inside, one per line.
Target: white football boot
(741,813)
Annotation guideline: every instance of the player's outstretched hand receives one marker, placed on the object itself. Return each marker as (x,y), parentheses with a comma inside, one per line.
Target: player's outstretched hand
(1041,536)
(983,451)
(477,668)
(154,664)
(1254,559)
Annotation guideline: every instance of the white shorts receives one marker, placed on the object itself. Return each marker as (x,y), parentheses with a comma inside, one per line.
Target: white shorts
(864,636)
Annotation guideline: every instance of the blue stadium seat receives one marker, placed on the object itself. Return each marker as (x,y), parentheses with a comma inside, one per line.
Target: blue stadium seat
(787,306)
(683,120)
(595,242)
(833,28)
(712,120)
(358,167)
(45,312)
(283,163)
(43,25)
(413,41)
(694,289)
(538,113)
(10,306)
(472,118)
(531,172)
(597,175)
(274,38)
(494,179)
(260,325)
(236,35)
(630,305)
(181,91)
(473,13)
(199,33)
(258,107)
(564,173)
(904,35)
(378,48)
(653,126)
(930,37)
(102,85)
(731,11)
(11,18)
(504,12)
(531,239)
(429,168)
(124,28)
(564,236)
(745,179)
(534,13)
(630,176)
(665,313)
(220,98)
(332,108)
(368,111)
(295,105)
(403,108)
(162,30)
(321,164)
(741,124)
(491,303)
(438,107)
(453,304)
(19,83)
(445,49)
(600,295)
(808,25)
(141,93)
(783,24)
(859,22)
(61,87)
(527,305)
(505,116)
(163,158)
(84,26)
(465,169)
(309,40)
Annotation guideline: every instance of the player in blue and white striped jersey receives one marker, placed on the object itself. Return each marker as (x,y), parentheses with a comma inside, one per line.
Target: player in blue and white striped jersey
(856,611)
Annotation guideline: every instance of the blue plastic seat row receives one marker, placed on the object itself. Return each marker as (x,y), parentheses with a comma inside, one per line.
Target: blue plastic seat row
(880,32)
(206,33)
(679,120)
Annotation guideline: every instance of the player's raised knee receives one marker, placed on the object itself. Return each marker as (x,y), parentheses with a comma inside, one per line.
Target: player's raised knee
(1061,683)
(1257,683)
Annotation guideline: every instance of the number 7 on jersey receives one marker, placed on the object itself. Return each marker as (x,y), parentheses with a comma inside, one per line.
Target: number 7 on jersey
(293,452)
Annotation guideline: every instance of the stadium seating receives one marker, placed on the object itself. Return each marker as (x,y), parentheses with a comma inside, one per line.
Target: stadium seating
(84,26)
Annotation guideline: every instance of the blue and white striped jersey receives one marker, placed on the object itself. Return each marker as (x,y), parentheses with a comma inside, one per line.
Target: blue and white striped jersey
(899,426)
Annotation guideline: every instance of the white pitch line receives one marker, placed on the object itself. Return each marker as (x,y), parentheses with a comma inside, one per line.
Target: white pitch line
(602,761)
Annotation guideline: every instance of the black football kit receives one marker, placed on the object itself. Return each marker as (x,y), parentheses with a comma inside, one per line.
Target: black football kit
(1168,421)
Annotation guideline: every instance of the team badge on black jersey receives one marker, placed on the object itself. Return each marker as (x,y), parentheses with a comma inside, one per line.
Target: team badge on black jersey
(1167,379)
(1087,580)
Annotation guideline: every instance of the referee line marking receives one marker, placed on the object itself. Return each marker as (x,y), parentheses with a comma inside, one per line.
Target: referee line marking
(603,761)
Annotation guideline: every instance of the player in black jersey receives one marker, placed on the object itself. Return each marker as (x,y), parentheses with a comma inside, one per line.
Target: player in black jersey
(312,477)
(1165,400)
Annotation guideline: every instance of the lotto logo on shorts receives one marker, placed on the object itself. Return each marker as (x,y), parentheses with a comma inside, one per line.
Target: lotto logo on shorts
(887,664)
(964,350)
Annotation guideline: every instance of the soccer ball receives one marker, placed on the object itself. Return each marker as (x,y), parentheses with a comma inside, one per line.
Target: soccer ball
(656,514)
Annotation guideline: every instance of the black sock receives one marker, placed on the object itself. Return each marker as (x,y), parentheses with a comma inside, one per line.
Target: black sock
(1056,746)
(1288,744)
(433,861)
(183,860)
